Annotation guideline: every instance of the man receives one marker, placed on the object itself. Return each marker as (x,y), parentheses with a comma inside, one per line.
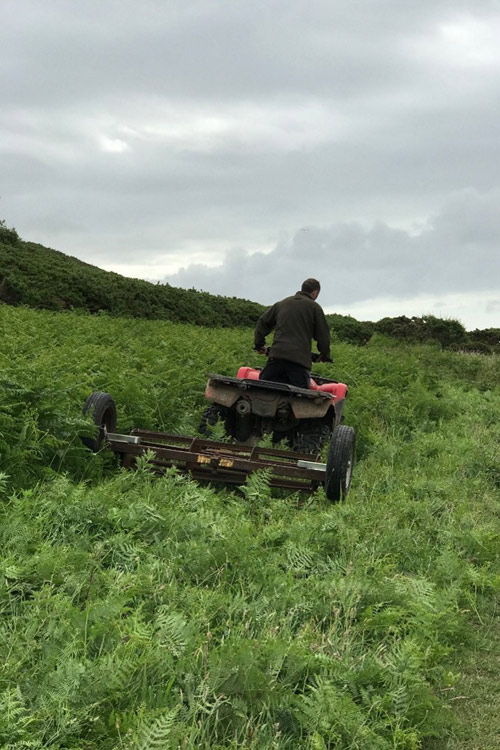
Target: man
(295,320)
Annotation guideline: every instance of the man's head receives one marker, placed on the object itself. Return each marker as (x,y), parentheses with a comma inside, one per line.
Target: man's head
(312,287)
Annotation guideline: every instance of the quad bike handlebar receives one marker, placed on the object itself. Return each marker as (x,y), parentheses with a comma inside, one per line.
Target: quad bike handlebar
(319,358)
(315,357)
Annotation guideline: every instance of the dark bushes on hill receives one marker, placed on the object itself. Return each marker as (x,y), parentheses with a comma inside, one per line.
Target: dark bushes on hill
(446,331)
(488,337)
(347,328)
(8,236)
(37,276)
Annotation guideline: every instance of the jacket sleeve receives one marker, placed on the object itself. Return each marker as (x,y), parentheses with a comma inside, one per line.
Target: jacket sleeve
(322,332)
(265,325)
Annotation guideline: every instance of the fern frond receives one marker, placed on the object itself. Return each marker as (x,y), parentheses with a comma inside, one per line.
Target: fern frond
(15,721)
(299,558)
(156,735)
(400,700)
(118,669)
(257,485)
(126,554)
(144,462)
(171,630)
(141,632)
(420,591)
(3,481)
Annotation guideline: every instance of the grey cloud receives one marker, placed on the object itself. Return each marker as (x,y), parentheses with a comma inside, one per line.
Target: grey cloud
(357,263)
(493,307)
(238,122)
(215,49)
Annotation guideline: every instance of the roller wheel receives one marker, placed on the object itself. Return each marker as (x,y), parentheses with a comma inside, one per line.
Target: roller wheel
(212,416)
(101,407)
(311,436)
(340,463)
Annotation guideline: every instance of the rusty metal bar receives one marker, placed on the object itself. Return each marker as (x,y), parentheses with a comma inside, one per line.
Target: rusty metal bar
(203,443)
(217,461)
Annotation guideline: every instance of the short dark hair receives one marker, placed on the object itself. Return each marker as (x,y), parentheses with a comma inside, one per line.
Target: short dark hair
(311,285)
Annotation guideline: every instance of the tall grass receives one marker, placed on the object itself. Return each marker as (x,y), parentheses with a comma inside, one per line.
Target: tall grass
(138,612)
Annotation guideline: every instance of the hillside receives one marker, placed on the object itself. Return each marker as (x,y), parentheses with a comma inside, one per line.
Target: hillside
(40,277)
(148,612)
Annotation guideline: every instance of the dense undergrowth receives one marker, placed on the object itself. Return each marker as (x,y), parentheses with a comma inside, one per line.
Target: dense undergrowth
(139,612)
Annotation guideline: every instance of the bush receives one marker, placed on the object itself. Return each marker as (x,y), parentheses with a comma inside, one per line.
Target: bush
(489,337)
(8,236)
(347,328)
(470,347)
(446,331)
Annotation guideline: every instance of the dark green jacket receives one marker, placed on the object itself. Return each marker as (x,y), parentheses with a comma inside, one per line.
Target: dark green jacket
(296,321)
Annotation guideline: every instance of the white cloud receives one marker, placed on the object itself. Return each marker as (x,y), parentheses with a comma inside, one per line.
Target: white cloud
(468,42)
(113,145)
(474,310)
(247,126)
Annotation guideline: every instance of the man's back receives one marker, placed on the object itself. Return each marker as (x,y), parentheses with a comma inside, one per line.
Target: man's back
(296,324)
(296,320)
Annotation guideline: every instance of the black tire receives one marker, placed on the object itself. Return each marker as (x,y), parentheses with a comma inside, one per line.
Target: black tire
(101,407)
(310,436)
(212,415)
(340,463)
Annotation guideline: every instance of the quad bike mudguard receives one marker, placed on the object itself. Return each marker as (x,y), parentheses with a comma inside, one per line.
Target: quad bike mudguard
(266,396)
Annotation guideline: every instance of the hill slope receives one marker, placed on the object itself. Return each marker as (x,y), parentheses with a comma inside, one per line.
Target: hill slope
(40,277)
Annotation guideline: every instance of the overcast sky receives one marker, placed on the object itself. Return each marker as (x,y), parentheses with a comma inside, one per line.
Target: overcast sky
(241,146)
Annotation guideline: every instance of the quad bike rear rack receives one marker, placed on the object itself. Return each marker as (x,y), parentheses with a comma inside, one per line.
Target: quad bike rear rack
(212,461)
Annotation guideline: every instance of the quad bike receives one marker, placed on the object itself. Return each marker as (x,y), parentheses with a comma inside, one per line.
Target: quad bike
(249,408)
(304,419)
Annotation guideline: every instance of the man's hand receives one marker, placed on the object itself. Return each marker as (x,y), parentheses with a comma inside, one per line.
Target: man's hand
(262,349)
(321,358)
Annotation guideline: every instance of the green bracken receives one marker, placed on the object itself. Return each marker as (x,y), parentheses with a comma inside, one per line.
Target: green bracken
(145,612)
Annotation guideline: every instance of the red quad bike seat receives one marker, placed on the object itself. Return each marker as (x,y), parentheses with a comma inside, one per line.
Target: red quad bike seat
(338,390)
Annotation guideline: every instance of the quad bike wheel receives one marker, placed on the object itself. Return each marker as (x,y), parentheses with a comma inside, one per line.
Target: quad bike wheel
(212,416)
(101,407)
(340,463)
(311,436)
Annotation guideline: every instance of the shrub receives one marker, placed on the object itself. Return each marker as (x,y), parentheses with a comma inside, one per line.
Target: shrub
(347,328)
(8,236)
(446,331)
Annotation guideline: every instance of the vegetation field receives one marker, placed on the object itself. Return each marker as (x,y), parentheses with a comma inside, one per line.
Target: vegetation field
(141,612)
